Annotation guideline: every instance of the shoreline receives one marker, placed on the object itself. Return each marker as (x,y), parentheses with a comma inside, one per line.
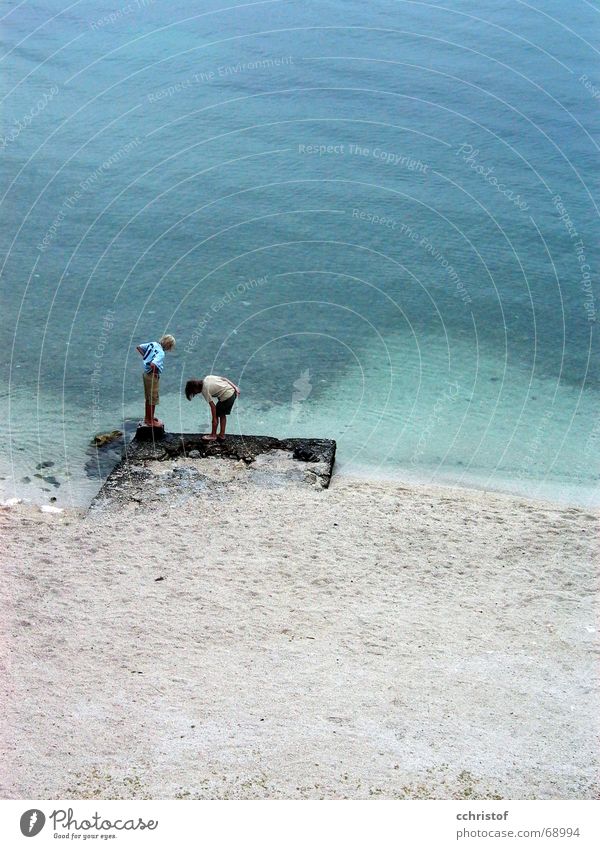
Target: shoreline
(585,497)
(581,496)
(354,476)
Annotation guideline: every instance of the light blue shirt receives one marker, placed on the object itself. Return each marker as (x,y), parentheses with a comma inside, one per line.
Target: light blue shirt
(153,354)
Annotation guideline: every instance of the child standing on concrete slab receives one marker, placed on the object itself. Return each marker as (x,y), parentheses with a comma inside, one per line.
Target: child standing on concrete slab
(153,355)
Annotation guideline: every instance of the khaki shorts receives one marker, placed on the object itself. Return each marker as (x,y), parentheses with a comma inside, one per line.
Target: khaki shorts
(151,388)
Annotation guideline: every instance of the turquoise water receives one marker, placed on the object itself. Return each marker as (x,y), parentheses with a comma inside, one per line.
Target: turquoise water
(379,219)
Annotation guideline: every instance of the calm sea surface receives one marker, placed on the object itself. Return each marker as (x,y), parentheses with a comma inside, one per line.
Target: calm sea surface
(380,219)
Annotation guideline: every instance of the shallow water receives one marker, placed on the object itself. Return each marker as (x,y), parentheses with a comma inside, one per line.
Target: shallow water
(415,285)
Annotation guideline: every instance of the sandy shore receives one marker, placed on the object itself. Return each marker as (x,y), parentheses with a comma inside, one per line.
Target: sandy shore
(371,640)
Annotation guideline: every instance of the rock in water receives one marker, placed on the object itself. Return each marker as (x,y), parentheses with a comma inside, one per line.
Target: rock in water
(105,449)
(105,438)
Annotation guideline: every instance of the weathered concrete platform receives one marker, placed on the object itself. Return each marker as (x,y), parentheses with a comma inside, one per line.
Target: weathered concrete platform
(195,466)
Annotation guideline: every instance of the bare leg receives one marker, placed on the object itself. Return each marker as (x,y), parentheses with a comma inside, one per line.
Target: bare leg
(154,422)
(213,431)
(148,415)
(223,423)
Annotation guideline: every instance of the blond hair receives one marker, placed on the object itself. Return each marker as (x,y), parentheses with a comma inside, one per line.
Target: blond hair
(167,342)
